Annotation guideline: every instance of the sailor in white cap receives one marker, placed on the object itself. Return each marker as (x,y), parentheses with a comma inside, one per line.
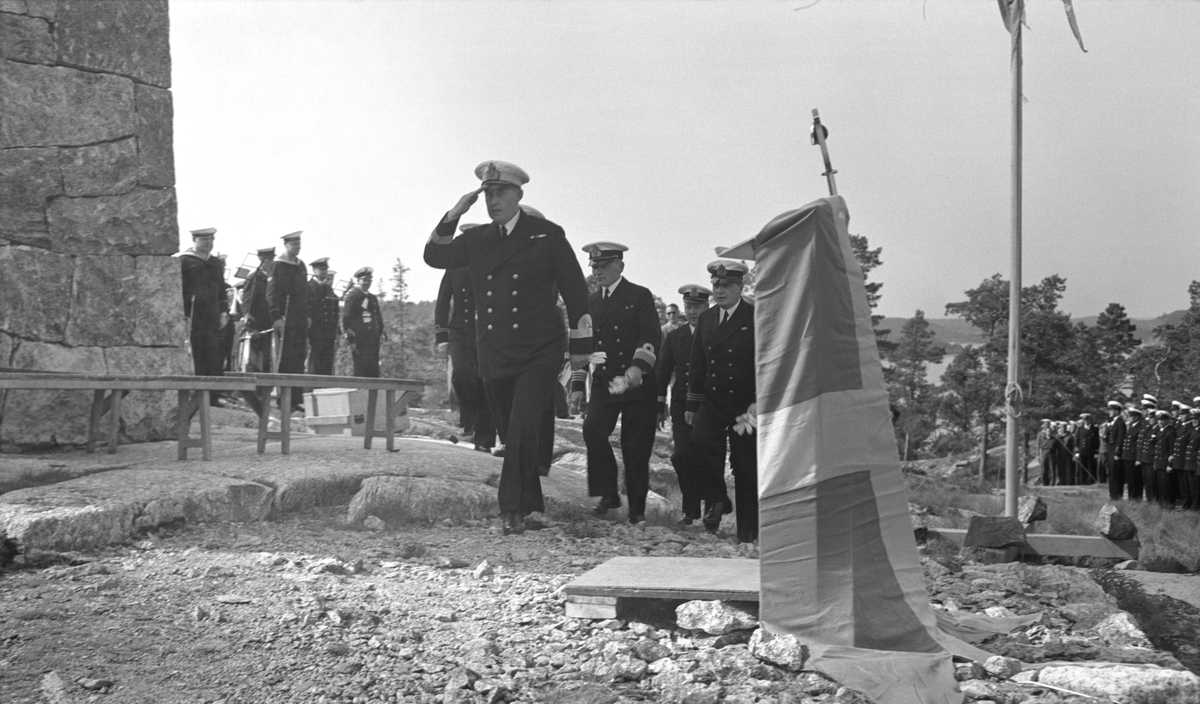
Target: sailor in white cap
(721,401)
(205,304)
(673,372)
(287,294)
(1134,427)
(518,263)
(1181,435)
(623,384)
(258,318)
(1191,462)
(362,320)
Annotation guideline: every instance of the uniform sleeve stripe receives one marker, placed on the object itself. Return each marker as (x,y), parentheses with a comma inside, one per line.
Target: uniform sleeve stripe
(662,399)
(440,239)
(645,353)
(695,397)
(584,328)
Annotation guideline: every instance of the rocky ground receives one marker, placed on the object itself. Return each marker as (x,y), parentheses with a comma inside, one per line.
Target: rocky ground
(306,608)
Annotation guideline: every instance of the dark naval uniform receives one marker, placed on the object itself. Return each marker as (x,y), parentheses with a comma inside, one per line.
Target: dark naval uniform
(625,327)
(205,298)
(363,322)
(1164,442)
(1147,440)
(1087,442)
(1191,465)
(673,372)
(322,327)
(1129,454)
(721,386)
(454,324)
(519,330)
(1115,432)
(258,320)
(287,294)
(1176,484)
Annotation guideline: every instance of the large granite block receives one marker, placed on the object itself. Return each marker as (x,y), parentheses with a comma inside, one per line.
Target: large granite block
(141,222)
(28,179)
(36,287)
(46,9)
(26,39)
(148,415)
(104,169)
(155,136)
(16,6)
(49,417)
(103,302)
(159,320)
(126,37)
(53,106)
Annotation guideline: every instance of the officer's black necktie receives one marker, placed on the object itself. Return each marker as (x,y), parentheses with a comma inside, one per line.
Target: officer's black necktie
(606,295)
(724,317)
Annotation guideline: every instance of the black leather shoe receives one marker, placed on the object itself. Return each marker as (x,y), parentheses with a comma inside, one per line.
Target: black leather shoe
(635,519)
(606,503)
(483,448)
(532,523)
(712,519)
(513,525)
(498,451)
(686,521)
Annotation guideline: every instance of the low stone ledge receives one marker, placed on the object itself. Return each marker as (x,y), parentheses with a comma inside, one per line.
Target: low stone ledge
(113,507)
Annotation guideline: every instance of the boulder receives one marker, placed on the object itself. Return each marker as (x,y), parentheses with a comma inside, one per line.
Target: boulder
(421,499)
(46,106)
(786,651)
(714,617)
(1121,630)
(126,37)
(1124,684)
(1085,615)
(1030,509)
(994,532)
(45,9)
(106,169)
(140,222)
(1114,525)
(1002,667)
(28,179)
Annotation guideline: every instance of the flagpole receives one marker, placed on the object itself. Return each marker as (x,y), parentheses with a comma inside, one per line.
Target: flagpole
(1013,389)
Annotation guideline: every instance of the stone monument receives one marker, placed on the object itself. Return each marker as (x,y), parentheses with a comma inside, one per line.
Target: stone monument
(87,211)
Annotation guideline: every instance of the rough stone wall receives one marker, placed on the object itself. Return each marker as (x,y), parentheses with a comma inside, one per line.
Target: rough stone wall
(87,211)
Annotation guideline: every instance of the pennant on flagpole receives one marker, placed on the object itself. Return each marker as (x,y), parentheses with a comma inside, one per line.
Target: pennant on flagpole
(1012,12)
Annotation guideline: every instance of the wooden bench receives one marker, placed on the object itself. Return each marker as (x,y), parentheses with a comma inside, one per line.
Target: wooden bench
(397,394)
(109,390)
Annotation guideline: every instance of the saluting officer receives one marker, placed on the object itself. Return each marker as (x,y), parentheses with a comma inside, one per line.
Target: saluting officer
(1129,452)
(363,322)
(625,329)
(1115,437)
(517,262)
(287,294)
(673,372)
(258,313)
(323,319)
(205,304)
(454,332)
(721,400)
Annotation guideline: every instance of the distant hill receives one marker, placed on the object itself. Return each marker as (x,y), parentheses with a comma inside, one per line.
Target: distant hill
(955,332)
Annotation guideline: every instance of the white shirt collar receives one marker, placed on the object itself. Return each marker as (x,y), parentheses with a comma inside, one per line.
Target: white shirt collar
(730,311)
(508,226)
(614,285)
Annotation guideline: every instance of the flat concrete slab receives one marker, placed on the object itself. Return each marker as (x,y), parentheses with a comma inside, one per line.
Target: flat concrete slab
(686,578)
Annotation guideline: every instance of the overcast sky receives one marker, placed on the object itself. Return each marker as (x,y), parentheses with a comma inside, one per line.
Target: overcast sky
(675,127)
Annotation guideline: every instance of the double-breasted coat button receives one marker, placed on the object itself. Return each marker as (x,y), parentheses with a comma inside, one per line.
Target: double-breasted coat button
(514,310)
(489,310)
(516,276)
(489,277)
(514,326)
(489,293)
(489,327)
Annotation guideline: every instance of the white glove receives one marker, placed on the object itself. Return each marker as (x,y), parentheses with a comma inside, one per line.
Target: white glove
(618,386)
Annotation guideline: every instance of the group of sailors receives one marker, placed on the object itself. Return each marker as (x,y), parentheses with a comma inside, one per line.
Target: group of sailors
(500,320)
(1142,452)
(279,317)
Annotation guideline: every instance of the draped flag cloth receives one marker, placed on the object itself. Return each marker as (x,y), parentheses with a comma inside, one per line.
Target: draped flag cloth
(838,560)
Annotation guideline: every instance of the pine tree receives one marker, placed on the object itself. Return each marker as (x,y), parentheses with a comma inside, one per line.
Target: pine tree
(911,393)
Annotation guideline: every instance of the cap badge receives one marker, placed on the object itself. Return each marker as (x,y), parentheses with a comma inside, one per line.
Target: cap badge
(492,173)
(721,271)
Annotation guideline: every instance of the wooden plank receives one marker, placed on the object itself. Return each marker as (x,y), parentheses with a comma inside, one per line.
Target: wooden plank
(183,418)
(94,419)
(1061,545)
(114,420)
(205,425)
(264,416)
(64,382)
(592,611)
(670,578)
(389,423)
(333,382)
(285,419)
(369,432)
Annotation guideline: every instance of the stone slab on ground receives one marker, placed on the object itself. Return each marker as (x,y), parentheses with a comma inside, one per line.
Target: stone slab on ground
(112,507)
(670,578)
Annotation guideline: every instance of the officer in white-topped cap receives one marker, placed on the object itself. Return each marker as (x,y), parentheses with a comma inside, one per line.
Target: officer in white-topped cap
(1134,427)
(623,384)
(518,263)
(362,320)
(1190,479)
(673,372)
(1086,445)
(287,294)
(721,400)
